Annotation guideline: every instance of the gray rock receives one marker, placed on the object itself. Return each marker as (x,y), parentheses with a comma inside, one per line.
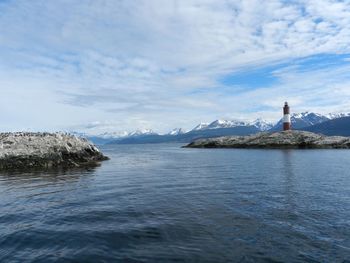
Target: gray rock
(277,140)
(24,150)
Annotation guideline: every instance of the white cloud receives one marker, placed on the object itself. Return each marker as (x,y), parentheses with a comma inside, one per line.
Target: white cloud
(144,64)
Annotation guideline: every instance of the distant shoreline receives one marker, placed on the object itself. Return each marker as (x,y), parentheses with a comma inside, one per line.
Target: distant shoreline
(277,140)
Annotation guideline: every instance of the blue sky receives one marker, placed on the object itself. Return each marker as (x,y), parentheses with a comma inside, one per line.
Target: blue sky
(99,65)
(265,76)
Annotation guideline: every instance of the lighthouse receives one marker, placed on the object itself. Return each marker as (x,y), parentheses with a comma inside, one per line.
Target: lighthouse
(286,117)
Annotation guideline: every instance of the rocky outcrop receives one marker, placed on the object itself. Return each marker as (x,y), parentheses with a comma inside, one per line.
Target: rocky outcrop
(24,150)
(277,140)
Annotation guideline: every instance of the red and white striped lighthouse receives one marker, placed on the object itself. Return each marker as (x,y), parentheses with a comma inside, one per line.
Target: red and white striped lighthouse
(286,117)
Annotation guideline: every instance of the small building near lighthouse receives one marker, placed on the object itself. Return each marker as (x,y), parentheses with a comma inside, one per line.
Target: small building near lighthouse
(286,117)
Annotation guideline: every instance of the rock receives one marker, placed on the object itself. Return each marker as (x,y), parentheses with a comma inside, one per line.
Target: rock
(277,140)
(24,150)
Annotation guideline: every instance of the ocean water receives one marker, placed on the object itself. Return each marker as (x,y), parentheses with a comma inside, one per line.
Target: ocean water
(163,203)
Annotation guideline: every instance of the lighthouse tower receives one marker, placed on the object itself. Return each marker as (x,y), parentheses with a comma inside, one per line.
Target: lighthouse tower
(286,117)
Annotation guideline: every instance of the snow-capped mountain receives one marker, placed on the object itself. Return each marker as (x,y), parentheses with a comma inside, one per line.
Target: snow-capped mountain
(262,125)
(176,131)
(304,120)
(301,120)
(309,117)
(142,133)
(334,127)
(114,135)
(332,116)
(226,124)
(218,124)
(77,134)
(201,126)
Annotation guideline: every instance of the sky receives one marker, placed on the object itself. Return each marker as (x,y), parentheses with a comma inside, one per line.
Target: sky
(114,65)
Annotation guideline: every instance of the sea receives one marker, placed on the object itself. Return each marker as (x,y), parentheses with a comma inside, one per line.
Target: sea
(165,203)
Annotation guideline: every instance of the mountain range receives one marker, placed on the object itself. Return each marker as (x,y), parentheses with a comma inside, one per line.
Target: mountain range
(330,124)
(339,126)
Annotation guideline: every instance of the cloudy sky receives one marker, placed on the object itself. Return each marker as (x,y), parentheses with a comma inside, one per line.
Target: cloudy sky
(132,64)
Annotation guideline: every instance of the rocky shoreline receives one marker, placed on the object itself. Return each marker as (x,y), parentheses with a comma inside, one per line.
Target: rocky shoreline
(20,150)
(277,140)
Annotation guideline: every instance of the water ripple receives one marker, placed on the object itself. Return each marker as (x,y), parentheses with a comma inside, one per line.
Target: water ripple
(163,203)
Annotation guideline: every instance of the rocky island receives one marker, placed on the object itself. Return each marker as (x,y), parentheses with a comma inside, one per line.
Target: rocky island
(279,140)
(42,150)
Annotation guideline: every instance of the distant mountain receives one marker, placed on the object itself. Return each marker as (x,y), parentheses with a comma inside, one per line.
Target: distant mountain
(96,139)
(188,136)
(332,116)
(114,135)
(201,126)
(142,133)
(338,126)
(206,133)
(261,124)
(218,124)
(203,130)
(176,131)
(302,120)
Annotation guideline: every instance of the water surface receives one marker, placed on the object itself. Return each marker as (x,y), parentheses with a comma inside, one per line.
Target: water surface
(162,203)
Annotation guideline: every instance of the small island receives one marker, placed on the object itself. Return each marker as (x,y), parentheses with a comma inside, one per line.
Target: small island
(290,139)
(20,150)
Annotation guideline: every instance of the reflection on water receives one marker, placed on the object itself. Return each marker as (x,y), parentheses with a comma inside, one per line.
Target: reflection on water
(49,175)
(161,203)
(289,179)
